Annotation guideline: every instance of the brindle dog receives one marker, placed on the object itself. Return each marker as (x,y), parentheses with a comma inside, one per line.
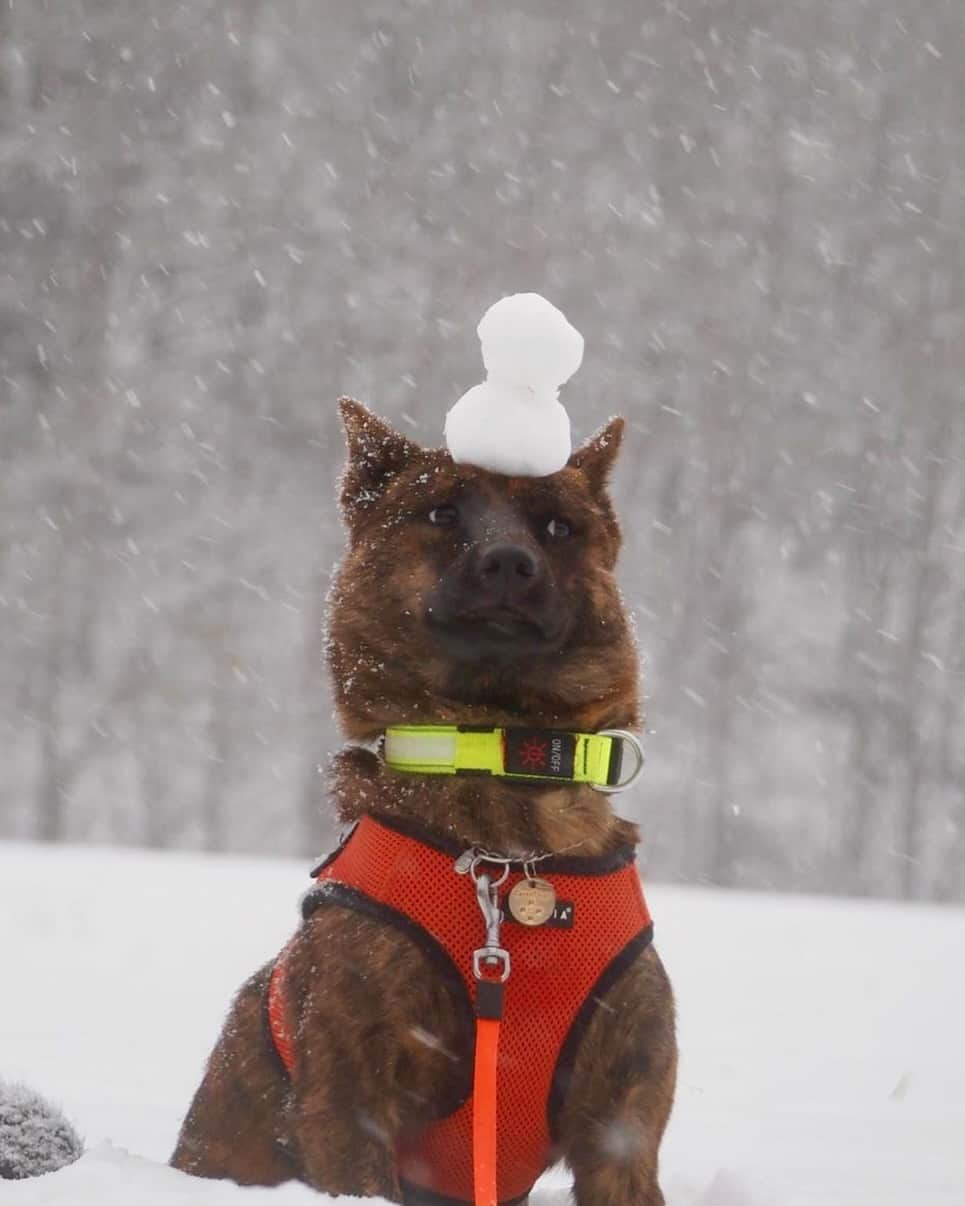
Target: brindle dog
(466,597)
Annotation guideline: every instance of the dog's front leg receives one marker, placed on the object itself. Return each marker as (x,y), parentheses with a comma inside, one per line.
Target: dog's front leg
(621,1090)
(615,1162)
(344,1121)
(377,1040)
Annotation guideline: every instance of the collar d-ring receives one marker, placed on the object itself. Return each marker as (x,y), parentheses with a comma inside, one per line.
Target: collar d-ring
(629,740)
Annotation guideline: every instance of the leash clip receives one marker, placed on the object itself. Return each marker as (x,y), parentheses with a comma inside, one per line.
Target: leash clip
(492,957)
(627,739)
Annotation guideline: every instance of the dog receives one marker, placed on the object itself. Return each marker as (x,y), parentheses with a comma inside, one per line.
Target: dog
(468,599)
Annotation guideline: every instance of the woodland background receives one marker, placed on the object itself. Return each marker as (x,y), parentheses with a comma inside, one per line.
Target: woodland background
(216,216)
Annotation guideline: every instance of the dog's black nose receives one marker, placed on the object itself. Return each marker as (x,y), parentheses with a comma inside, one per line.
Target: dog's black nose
(509,567)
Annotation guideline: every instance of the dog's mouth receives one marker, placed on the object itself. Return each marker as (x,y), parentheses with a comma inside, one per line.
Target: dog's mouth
(503,623)
(493,632)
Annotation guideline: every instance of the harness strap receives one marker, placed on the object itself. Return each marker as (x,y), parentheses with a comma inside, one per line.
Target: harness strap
(281,1036)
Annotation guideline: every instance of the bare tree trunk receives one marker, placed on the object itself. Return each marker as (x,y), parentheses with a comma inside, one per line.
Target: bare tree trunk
(917,753)
(50,811)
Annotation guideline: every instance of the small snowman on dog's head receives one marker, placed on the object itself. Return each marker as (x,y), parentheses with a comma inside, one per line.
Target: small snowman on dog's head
(513,422)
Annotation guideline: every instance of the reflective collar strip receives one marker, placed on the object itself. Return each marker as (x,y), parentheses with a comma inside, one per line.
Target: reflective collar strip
(546,754)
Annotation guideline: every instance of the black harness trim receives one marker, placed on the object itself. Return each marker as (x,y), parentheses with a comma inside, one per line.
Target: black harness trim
(563,1072)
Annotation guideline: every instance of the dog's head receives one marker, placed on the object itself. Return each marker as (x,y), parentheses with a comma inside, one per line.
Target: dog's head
(469,597)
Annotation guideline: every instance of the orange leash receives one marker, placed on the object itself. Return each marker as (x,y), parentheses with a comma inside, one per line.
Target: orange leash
(490,966)
(484,1112)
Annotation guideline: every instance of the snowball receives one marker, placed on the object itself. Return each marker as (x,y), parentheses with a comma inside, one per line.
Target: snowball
(527,341)
(509,429)
(513,423)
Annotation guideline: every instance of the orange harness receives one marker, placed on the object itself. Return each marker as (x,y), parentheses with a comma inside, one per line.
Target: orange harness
(556,974)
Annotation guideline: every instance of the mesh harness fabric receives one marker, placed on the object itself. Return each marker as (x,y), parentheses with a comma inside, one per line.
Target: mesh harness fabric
(558,974)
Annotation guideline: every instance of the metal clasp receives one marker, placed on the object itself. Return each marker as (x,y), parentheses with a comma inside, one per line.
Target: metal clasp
(630,740)
(492,957)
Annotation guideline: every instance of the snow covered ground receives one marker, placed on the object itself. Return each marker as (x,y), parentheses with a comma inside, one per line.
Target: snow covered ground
(823,1047)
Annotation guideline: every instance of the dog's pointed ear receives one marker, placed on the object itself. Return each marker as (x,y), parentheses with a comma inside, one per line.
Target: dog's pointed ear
(376,454)
(595,458)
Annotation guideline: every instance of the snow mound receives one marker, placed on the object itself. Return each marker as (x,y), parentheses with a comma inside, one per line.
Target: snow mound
(513,422)
(110,1176)
(35,1137)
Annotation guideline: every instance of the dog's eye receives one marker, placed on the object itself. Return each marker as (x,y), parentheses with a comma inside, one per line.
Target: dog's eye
(444,516)
(559,529)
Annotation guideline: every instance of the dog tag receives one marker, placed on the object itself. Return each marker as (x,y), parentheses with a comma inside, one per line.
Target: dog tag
(532,901)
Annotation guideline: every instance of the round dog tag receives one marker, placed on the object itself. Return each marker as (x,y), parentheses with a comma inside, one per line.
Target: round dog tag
(532,901)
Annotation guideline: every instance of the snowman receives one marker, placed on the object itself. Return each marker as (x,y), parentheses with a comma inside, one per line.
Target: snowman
(513,422)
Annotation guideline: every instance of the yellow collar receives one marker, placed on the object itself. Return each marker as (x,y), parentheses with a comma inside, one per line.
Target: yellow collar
(552,755)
